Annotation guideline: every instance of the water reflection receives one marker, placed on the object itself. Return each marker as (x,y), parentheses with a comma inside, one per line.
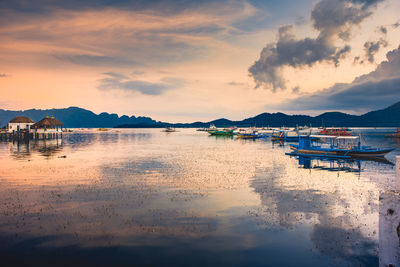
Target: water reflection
(144,197)
(348,165)
(45,148)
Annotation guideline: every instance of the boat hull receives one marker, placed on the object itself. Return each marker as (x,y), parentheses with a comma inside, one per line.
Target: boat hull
(343,153)
(222,133)
(248,136)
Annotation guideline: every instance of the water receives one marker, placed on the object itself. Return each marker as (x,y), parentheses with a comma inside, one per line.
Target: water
(145,197)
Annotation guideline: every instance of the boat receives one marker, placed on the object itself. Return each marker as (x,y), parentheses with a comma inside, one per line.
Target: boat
(169,130)
(285,135)
(336,131)
(336,147)
(249,135)
(281,135)
(212,127)
(224,132)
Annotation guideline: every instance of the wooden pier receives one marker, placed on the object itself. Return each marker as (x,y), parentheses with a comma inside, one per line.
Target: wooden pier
(26,136)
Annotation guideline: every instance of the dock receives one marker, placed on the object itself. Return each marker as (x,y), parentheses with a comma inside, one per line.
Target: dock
(25,136)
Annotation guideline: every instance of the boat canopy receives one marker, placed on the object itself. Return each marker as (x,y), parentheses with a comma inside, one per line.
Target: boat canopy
(323,136)
(334,137)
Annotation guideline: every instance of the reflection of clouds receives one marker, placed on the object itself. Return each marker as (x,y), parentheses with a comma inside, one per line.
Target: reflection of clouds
(341,209)
(348,244)
(97,214)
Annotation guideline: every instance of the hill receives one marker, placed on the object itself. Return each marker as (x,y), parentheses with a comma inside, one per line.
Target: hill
(74,117)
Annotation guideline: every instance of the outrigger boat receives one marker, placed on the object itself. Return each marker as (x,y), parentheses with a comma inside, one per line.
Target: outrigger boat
(225,132)
(338,147)
(249,135)
(284,135)
(288,136)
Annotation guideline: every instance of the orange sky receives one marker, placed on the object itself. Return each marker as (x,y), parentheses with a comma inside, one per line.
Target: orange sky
(182,66)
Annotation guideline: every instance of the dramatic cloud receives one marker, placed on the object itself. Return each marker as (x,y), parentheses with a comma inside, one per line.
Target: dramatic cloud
(117,81)
(371,91)
(333,19)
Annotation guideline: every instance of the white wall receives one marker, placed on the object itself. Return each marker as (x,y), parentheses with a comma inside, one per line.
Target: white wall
(14,126)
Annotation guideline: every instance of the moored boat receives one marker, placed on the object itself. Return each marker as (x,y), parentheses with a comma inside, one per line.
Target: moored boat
(339,146)
(249,135)
(169,130)
(221,132)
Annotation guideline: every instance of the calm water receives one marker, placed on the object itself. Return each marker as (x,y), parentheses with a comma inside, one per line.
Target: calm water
(145,197)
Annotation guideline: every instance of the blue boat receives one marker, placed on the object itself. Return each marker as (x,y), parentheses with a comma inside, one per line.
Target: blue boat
(338,147)
(287,135)
(254,134)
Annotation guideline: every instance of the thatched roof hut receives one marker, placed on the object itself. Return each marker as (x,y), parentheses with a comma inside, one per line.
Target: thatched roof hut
(47,122)
(21,119)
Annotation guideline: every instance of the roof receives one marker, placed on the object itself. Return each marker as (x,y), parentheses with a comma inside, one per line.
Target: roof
(21,119)
(48,122)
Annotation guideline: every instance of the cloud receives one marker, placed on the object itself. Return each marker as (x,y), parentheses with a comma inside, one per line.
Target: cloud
(3,75)
(296,90)
(371,48)
(383,29)
(117,81)
(333,19)
(92,60)
(376,89)
(130,33)
(116,75)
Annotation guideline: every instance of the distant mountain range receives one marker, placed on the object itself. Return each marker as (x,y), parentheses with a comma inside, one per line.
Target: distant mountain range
(74,117)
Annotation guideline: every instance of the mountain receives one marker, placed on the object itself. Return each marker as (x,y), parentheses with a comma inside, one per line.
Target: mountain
(389,117)
(74,117)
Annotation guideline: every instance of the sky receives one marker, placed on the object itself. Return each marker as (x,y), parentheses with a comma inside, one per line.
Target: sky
(186,61)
